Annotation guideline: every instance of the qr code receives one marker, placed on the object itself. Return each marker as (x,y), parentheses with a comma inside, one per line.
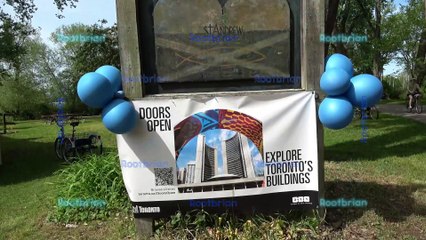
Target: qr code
(163,176)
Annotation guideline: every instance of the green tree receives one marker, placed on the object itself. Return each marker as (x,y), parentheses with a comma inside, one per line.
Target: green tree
(393,86)
(24,9)
(20,91)
(410,25)
(24,88)
(366,17)
(12,37)
(78,58)
(14,29)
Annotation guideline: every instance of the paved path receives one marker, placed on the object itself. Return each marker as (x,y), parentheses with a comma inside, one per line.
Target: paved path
(401,110)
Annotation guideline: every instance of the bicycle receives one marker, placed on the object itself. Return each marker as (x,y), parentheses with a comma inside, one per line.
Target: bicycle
(59,119)
(59,140)
(370,112)
(416,104)
(71,146)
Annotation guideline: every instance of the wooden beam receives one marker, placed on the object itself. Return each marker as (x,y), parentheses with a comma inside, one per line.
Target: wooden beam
(312,61)
(312,69)
(128,40)
(0,156)
(144,228)
(312,49)
(4,123)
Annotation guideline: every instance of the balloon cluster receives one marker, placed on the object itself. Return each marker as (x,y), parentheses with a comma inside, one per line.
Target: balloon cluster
(344,92)
(102,89)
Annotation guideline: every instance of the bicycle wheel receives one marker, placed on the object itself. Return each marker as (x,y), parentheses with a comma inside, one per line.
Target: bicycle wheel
(95,144)
(374,112)
(58,148)
(357,113)
(69,152)
(419,107)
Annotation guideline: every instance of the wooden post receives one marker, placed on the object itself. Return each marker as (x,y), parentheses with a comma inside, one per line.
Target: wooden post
(129,48)
(313,67)
(4,123)
(131,67)
(0,156)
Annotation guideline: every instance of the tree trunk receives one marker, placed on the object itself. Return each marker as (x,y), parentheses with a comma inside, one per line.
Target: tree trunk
(377,60)
(330,22)
(341,28)
(421,54)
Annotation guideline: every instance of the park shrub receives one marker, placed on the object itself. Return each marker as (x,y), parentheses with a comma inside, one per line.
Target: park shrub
(202,225)
(93,178)
(99,178)
(393,87)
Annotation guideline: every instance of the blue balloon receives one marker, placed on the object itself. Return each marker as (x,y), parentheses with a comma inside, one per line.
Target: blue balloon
(94,90)
(119,116)
(338,60)
(365,90)
(119,94)
(335,112)
(112,74)
(335,81)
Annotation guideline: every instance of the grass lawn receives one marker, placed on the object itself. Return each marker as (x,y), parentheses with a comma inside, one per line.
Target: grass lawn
(388,171)
(26,191)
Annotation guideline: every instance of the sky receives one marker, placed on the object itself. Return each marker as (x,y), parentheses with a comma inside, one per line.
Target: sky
(398,2)
(87,12)
(90,11)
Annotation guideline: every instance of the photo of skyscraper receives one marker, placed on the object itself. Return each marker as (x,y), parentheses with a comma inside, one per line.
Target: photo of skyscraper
(224,160)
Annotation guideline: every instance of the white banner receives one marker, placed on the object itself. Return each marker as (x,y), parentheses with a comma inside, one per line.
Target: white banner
(228,147)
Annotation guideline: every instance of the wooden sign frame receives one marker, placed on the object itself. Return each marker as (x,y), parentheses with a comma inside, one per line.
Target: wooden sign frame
(312,67)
